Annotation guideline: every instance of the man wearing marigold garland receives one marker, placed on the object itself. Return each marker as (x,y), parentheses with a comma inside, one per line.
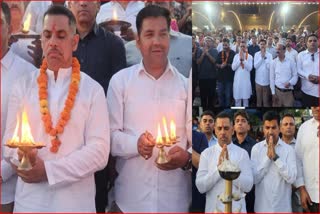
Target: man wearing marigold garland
(67,111)
(138,97)
(242,65)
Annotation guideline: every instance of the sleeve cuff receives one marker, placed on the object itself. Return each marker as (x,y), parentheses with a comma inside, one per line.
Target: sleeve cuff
(49,172)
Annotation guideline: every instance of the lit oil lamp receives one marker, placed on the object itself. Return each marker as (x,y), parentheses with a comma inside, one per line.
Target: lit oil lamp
(25,30)
(115,25)
(167,140)
(24,141)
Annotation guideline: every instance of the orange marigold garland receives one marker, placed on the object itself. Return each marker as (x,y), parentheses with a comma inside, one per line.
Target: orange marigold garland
(242,65)
(68,106)
(225,60)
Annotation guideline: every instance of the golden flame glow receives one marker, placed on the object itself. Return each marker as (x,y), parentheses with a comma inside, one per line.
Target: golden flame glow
(172,130)
(16,138)
(164,121)
(114,15)
(25,136)
(159,136)
(26,24)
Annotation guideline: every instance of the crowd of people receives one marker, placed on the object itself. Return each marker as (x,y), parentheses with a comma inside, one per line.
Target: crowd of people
(256,68)
(83,87)
(278,174)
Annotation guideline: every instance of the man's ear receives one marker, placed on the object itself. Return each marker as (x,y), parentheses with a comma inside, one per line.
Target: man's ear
(75,42)
(138,42)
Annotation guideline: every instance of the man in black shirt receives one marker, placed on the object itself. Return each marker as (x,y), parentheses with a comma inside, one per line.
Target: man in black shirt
(243,140)
(101,54)
(225,74)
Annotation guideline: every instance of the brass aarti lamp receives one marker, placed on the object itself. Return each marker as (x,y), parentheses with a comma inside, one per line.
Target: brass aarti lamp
(24,141)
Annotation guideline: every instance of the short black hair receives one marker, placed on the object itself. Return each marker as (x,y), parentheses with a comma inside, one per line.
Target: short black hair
(61,10)
(241,113)
(271,115)
(152,11)
(222,115)
(226,40)
(287,115)
(289,37)
(6,12)
(310,35)
(207,112)
(263,40)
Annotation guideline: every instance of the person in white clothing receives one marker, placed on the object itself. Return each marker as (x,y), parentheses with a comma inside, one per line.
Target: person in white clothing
(275,168)
(12,68)
(242,65)
(283,76)
(290,52)
(72,122)
(262,61)
(208,179)
(308,71)
(288,131)
(138,98)
(307,151)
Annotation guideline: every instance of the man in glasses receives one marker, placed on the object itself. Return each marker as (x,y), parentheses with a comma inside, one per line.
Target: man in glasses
(308,70)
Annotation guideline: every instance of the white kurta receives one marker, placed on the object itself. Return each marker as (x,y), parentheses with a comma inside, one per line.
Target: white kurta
(273,179)
(137,103)
(209,181)
(12,68)
(84,149)
(241,83)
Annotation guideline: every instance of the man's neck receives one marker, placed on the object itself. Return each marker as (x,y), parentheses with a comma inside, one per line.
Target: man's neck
(311,50)
(4,52)
(241,137)
(209,136)
(270,46)
(84,29)
(287,139)
(289,49)
(281,58)
(155,70)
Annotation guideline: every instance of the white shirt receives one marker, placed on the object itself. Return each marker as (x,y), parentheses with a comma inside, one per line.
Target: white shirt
(307,151)
(84,149)
(137,102)
(273,179)
(235,47)
(220,47)
(292,54)
(272,50)
(209,181)
(12,68)
(37,10)
(262,67)
(281,73)
(306,67)
(21,48)
(129,14)
(241,83)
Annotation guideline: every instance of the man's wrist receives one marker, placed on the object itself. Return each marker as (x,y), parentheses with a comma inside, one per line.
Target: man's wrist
(188,164)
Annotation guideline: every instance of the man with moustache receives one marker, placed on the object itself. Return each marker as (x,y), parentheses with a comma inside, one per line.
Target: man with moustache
(290,52)
(308,71)
(155,89)
(288,130)
(283,76)
(72,122)
(262,61)
(208,178)
(206,126)
(270,48)
(307,152)
(275,169)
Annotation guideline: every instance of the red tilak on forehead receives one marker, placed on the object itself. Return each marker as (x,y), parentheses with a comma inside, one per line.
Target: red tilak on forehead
(54,27)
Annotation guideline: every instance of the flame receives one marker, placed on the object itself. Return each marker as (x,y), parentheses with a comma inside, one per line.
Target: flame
(172,130)
(164,121)
(26,24)
(16,138)
(114,15)
(25,136)
(159,136)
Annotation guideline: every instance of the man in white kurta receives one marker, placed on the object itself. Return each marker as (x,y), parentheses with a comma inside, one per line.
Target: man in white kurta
(208,178)
(242,65)
(12,68)
(275,169)
(138,97)
(307,151)
(62,181)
